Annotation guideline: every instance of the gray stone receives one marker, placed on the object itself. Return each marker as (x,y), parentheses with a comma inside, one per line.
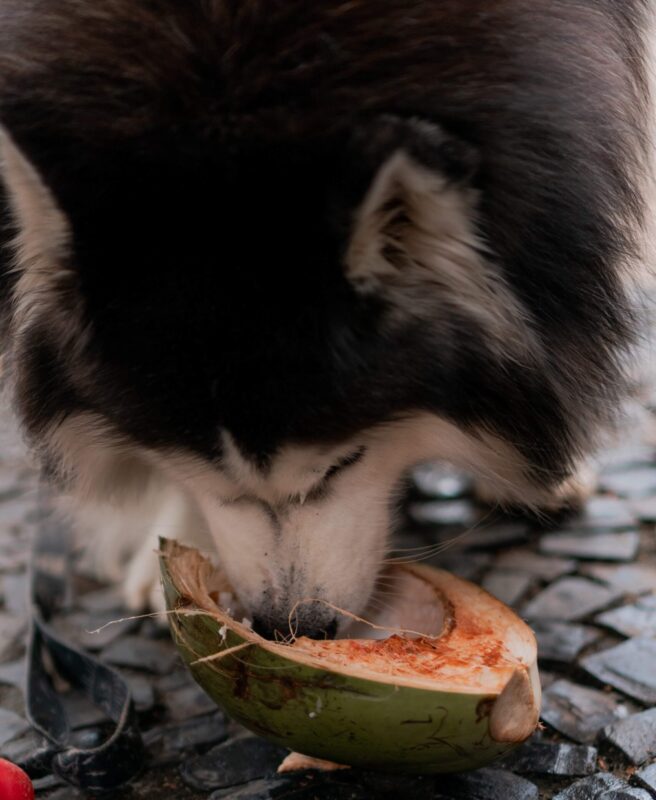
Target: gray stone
(543,567)
(627,578)
(169,744)
(187,702)
(507,586)
(631,455)
(22,748)
(547,678)
(488,537)
(645,509)
(312,787)
(101,600)
(638,619)
(604,513)
(628,667)
(625,793)
(15,592)
(593,788)
(80,712)
(647,777)
(570,599)
(488,784)
(11,726)
(234,762)
(441,480)
(559,641)
(12,673)
(635,736)
(580,712)
(637,482)
(614,546)
(465,565)
(547,758)
(141,690)
(451,512)
(94,630)
(12,630)
(139,653)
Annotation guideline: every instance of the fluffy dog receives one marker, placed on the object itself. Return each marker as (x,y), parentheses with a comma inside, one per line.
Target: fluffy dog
(260,257)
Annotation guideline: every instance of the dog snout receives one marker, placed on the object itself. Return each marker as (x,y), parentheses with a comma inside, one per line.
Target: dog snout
(310,623)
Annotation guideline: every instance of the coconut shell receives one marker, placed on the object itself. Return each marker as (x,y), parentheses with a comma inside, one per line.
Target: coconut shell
(441,703)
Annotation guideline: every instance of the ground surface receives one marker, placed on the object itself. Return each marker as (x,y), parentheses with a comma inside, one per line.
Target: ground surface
(588,587)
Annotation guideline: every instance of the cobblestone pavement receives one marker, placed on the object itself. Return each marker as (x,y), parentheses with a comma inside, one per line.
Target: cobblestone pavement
(588,587)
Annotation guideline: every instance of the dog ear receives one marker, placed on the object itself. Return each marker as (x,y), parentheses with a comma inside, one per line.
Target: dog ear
(417,221)
(42,250)
(42,229)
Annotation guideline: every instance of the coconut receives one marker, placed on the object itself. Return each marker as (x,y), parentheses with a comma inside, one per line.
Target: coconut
(448,682)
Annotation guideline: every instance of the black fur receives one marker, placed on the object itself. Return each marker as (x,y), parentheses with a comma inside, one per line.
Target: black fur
(211,154)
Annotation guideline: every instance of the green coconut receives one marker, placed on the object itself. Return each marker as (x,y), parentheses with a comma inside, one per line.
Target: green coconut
(452,686)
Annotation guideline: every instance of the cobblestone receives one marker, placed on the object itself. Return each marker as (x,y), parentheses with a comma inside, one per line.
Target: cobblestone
(579,602)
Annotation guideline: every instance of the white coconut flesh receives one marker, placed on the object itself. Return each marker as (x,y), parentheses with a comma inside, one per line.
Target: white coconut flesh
(441,633)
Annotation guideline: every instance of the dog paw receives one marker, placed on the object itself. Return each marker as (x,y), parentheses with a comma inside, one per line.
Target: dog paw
(141,588)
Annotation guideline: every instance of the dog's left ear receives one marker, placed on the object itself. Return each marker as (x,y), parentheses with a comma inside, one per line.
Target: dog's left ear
(416,224)
(42,229)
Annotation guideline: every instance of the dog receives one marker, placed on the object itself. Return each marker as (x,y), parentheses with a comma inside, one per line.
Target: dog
(261,258)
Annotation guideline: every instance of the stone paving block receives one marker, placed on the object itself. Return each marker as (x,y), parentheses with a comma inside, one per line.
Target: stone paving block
(626,578)
(11,726)
(467,565)
(560,641)
(12,673)
(507,586)
(626,793)
(91,630)
(237,761)
(547,758)
(141,689)
(604,513)
(630,455)
(487,784)
(645,509)
(15,593)
(635,736)
(441,480)
(12,630)
(570,599)
(543,567)
(647,777)
(451,512)
(169,743)
(580,712)
(629,667)
(634,483)
(140,653)
(101,600)
(493,535)
(614,546)
(595,787)
(638,619)
(187,702)
(317,789)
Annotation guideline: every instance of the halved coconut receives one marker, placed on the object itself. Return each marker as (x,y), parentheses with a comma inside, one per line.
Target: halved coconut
(452,686)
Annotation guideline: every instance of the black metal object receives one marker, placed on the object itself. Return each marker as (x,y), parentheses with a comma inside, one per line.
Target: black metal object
(95,760)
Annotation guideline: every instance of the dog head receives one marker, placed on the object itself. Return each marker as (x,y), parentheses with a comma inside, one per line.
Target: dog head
(283,310)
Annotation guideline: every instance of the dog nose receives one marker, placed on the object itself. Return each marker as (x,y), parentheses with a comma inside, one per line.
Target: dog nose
(308,625)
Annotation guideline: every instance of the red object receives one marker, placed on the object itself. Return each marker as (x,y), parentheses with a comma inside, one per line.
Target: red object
(14,783)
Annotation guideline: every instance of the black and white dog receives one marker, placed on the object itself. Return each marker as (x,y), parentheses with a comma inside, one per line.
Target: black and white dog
(262,256)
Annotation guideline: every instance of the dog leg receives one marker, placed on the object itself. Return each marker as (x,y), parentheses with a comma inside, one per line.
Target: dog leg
(119,543)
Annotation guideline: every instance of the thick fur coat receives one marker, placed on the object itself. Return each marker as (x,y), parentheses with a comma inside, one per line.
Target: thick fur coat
(261,257)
